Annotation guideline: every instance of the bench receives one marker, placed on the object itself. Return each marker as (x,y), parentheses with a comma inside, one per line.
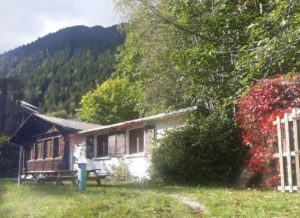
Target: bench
(59,176)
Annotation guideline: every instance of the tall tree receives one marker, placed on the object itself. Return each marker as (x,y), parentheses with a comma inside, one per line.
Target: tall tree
(111,102)
(205,52)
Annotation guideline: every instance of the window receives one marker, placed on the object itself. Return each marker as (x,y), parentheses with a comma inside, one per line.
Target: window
(39,150)
(31,153)
(136,141)
(48,148)
(61,146)
(56,147)
(102,146)
(90,147)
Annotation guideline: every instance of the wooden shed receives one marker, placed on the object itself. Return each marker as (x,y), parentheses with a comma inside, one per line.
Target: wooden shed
(44,142)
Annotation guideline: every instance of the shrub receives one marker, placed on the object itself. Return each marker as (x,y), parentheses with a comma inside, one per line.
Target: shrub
(257,110)
(8,158)
(207,150)
(120,171)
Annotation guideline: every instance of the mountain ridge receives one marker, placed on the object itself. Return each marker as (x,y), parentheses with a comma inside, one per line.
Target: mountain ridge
(58,68)
(67,31)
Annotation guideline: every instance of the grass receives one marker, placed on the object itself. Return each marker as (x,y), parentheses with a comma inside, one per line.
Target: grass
(110,200)
(223,202)
(140,200)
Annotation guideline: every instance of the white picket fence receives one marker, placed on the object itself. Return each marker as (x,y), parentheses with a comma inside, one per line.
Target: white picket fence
(288,151)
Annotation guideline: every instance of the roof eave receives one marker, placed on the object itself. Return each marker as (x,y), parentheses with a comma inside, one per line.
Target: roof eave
(140,120)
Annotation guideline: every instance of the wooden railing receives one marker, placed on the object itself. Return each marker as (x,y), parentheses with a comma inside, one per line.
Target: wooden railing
(288,151)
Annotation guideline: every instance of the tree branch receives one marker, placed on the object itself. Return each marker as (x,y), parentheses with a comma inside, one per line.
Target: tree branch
(176,25)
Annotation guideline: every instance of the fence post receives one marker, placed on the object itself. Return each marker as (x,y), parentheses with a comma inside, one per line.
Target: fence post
(20,168)
(296,145)
(288,152)
(279,139)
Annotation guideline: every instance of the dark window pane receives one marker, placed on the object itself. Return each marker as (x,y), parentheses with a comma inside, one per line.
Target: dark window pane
(56,147)
(61,146)
(136,140)
(48,148)
(102,148)
(39,150)
(31,152)
(90,147)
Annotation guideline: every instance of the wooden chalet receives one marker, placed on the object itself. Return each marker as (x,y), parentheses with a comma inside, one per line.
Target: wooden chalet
(45,142)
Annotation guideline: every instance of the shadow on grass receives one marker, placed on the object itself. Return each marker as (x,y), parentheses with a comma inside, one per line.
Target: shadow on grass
(5,184)
(68,189)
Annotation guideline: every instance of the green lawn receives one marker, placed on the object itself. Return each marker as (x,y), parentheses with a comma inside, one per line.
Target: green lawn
(137,200)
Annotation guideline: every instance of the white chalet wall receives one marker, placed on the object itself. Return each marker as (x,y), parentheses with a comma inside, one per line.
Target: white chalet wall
(138,163)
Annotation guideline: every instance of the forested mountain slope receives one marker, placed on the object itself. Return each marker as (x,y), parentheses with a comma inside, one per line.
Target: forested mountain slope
(60,67)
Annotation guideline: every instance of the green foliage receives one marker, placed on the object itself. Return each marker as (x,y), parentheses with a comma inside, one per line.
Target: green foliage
(59,68)
(205,52)
(111,102)
(8,158)
(3,140)
(175,49)
(207,150)
(273,41)
(61,114)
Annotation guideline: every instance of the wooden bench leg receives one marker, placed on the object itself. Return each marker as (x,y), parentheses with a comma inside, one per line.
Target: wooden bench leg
(40,182)
(98,180)
(74,181)
(59,182)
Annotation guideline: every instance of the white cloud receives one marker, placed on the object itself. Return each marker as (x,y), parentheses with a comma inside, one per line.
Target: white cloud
(22,21)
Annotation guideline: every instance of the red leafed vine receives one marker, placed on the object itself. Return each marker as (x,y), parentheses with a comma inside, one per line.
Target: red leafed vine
(257,110)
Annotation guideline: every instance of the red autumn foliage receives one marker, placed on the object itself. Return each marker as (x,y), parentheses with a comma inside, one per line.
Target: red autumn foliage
(257,110)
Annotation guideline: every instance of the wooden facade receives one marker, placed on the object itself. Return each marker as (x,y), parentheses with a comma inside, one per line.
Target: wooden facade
(48,152)
(10,96)
(45,142)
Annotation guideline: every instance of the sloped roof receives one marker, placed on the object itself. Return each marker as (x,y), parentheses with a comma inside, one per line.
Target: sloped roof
(141,120)
(36,124)
(71,124)
(28,107)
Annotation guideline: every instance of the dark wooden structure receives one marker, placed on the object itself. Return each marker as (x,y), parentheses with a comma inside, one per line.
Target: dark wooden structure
(13,111)
(10,96)
(45,140)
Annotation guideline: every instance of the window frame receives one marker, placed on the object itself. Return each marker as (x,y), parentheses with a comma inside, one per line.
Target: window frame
(56,147)
(134,133)
(39,152)
(97,154)
(90,148)
(31,152)
(48,148)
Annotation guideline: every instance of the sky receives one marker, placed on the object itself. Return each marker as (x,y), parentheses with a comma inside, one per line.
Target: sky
(23,21)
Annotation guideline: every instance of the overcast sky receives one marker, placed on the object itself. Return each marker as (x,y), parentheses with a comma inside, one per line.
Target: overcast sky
(23,21)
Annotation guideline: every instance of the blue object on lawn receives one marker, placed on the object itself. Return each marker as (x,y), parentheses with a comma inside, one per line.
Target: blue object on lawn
(81,176)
